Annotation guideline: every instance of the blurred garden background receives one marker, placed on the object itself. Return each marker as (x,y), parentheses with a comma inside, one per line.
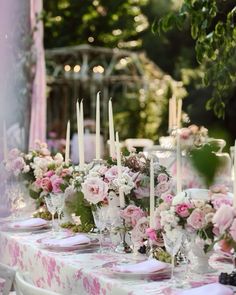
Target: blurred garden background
(165,64)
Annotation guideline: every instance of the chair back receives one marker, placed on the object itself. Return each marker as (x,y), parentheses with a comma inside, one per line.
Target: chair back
(23,287)
(7,274)
(137,143)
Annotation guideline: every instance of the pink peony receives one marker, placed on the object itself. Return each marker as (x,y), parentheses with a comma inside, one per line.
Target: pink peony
(197,219)
(218,202)
(46,184)
(183,209)
(95,190)
(56,183)
(162,177)
(223,218)
(151,233)
(233,230)
(132,214)
(167,198)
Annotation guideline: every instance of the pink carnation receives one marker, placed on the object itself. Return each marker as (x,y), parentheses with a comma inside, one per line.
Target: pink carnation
(197,219)
(183,209)
(95,190)
(49,173)
(132,214)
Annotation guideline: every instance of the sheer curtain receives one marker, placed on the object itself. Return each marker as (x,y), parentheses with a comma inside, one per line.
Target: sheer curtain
(38,102)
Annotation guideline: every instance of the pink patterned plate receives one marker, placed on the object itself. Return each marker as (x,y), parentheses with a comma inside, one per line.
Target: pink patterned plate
(27,225)
(110,269)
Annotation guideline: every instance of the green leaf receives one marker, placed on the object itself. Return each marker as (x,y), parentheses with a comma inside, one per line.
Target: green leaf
(33,194)
(194,31)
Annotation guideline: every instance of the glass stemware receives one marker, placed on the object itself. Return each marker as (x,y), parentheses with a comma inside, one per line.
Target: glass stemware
(59,202)
(172,241)
(51,208)
(99,219)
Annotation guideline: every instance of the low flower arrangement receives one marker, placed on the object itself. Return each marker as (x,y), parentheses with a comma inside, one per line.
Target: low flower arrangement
(192,136)
(195,216)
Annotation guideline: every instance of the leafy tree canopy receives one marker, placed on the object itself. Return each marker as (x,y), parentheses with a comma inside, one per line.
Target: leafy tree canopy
(213,28)
(116,23)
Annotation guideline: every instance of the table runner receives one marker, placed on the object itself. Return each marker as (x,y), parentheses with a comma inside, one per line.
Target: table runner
(73,273)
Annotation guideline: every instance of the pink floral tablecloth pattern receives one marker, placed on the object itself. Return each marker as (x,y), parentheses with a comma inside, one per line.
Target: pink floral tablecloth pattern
(73,273)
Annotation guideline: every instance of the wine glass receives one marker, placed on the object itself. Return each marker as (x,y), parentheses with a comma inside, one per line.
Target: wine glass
(51,208)
(58,201)
(172,240)
(99,219)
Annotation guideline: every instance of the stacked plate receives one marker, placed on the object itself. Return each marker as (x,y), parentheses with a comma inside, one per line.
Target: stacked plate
(150,269)
(31,224)
(68,243)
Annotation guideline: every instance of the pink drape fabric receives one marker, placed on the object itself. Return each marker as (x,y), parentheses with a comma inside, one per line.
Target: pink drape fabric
(38,103)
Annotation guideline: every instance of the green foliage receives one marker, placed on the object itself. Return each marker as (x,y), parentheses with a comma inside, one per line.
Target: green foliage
(77,204)
(212,24)
(99,22)
(205,162)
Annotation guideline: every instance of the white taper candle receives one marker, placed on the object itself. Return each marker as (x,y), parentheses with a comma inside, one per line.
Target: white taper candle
(98,156)
(152,194)
(178,165)
(119,169)
(82,135)
(67,152)
(111,129)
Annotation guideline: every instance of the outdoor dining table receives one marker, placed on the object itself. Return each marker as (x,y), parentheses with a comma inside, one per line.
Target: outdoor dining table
(76,272)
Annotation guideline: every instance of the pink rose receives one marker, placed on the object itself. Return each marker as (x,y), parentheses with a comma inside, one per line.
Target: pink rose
(18,165)
(185,133)
(56,183)
(111,173)
(197,219)
(167,198)
(65,172)
(219,188)
(223,218)
(139,232)
(218,202)
(132,214)
(162,188)
(49,173)
(46,184)
(233,230)
(162,177)
(183,209)
(151,233)
(142,192)
(37,183)
(95,190)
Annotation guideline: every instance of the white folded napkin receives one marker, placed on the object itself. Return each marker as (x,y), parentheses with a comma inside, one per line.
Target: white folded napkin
(211,289)
(32,222)
(68,241)
(148,266)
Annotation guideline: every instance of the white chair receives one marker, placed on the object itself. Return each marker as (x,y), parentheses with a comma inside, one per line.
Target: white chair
(8,275)
(130,143)
(23,287)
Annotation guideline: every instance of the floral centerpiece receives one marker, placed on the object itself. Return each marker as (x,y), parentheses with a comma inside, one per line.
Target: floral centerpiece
(194,216)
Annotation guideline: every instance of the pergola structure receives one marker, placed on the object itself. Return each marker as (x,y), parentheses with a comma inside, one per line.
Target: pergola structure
(79,72)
